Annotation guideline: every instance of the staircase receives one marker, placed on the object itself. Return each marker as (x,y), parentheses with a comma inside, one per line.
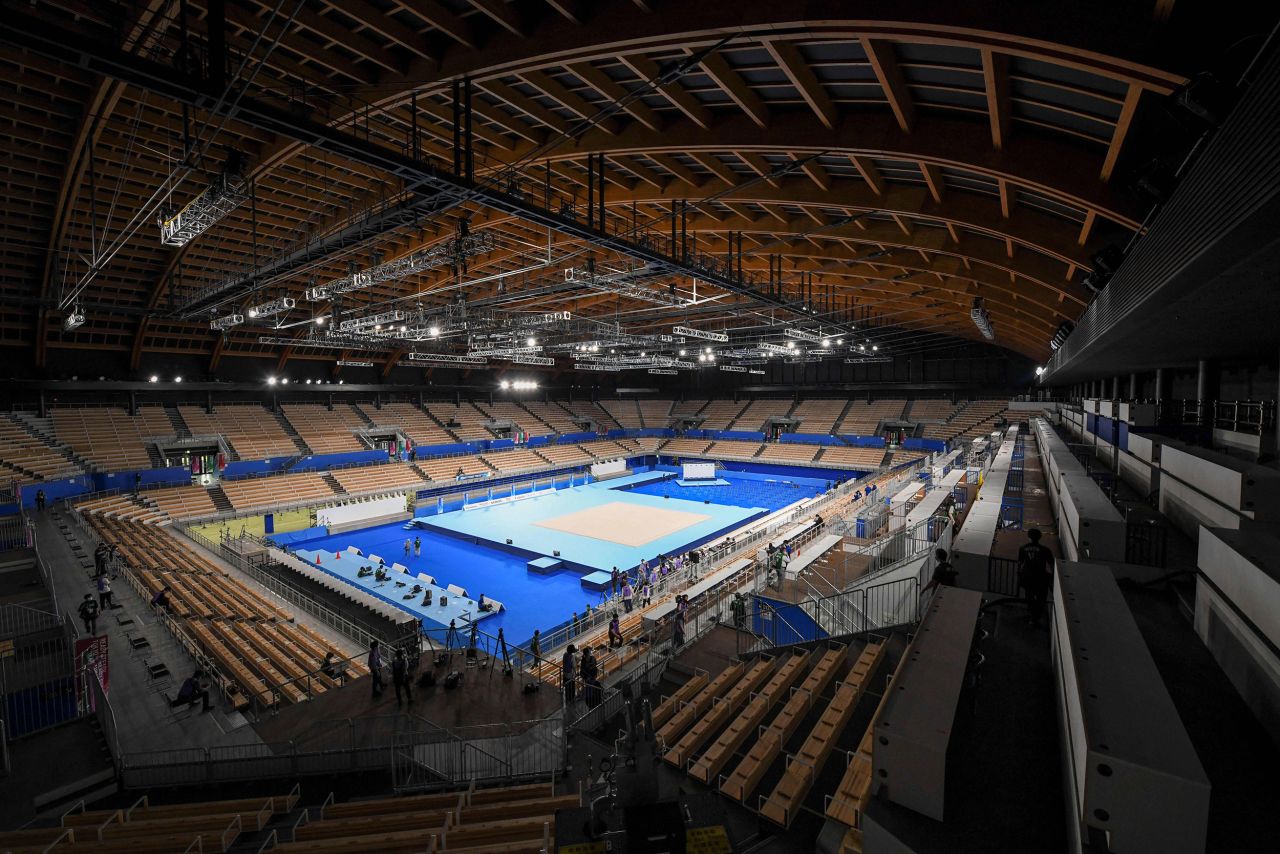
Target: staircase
(888,455)
(153,454)
(220,499)
(364,416)
(333,484)
(438,422)
(836,425)
(42,429)
(291,433)
(180,428)
(964,404)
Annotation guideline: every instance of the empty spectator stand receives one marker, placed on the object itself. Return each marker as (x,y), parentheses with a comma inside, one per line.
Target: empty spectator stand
(26,457)
(253,493)
(863,418)
(758,411)
(391,476)
(626,413)
(326,431)
(789,453)
(251,431)
(901,458)
(682,447)
(719,414)
(819,415)
(655,413)
(124,506)
(553,415)
(515,460)
(412,421)
(682,409)
(464,421)
(565,454)
(110,438)
(867,459)
(507,410)
(931,410)
(180,502)
(734,449)
(445,469)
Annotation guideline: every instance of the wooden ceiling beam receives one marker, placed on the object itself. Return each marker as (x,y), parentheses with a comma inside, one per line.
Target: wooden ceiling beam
(616,92)
(673,91)
(802,77)
(995,78)
(884,62)
(717,68)
(1123,123)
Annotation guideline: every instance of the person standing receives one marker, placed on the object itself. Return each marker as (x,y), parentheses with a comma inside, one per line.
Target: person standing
(568,675)
(943,573)
(39,500)
(417,546)
(613,582)
(104,593)
(407,546)
(89,614)
(1035,572)
(615,632)
(627,594)
(375,668)
(573,624)
(535,650)
(400,676)
(679,630)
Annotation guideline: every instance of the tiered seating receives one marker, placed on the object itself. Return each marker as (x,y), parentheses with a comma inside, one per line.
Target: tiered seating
(25,457)
(734,449)
(646,445)
(769,745)
(978,418)
(607,449)
(411,420)
(625,412)
(326,431)
(202,826)
(753,417)
(511,818)
(784,803)
(655,413)
(122,507)
(465,422)
(680,447)
(280,489)
(718,715)
(553,415)
(509,410)
(866,459)
(109,437)
(443,469)
(181,502)
(390,476)
(818,415)
(251,430)
(931,410)
(744,725)
(603,417)
(900,458)
(790,453)
(249,641)
(514,460)
(565,454)
(685,716)
(850,798)
(863,418)
(686,408)
(719,414)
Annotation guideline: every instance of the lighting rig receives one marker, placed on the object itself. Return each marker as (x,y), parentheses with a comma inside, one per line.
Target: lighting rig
(690,332)
(223,195)
(623,283)
(981,319)
(227,321)
(454,251)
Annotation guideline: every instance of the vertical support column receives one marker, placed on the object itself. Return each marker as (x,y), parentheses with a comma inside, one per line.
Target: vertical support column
(1202,390)
(1115,387)
(1133,385)
(133,402)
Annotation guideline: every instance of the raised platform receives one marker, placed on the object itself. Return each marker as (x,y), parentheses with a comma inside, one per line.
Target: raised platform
(716,481)
(597,580)
(544,565)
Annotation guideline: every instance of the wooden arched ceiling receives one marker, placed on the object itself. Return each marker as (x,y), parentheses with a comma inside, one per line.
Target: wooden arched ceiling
(957,150)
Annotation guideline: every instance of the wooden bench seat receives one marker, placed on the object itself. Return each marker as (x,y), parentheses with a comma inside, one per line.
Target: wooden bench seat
(718,755)
(783,804)
(485,834)
(748,773)
(669,732)
(669,706)
(718,715)
(439,800)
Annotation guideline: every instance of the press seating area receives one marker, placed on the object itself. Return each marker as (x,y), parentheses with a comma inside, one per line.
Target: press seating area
(625,412)
(789,453)
(818,415)
(514,460)
(389,476)
(326,431)
(507,819)
(251,430)
(863,418)
(252,645)
(730,448)
(279,489)
(24,457)
(144,828)
(411,420)
(719,414)
(655,413)
(181,502)
(465,422)
(858,458)
(553,415)
(110,438)
(753,417)
(444,469)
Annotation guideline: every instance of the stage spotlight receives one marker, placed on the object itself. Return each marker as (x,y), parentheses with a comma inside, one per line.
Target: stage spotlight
(271,380)
(284,381)
(504,384)
(177,379)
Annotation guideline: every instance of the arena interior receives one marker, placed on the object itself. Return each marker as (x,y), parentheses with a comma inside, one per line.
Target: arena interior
(639,426)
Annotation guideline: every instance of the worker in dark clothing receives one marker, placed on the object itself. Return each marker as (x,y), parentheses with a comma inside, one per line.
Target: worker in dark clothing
(1035,572)
(943,573)
(400,676)
(192,691)
(568,674)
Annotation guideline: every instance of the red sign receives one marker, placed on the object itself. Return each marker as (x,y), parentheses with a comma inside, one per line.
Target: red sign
(92,656)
